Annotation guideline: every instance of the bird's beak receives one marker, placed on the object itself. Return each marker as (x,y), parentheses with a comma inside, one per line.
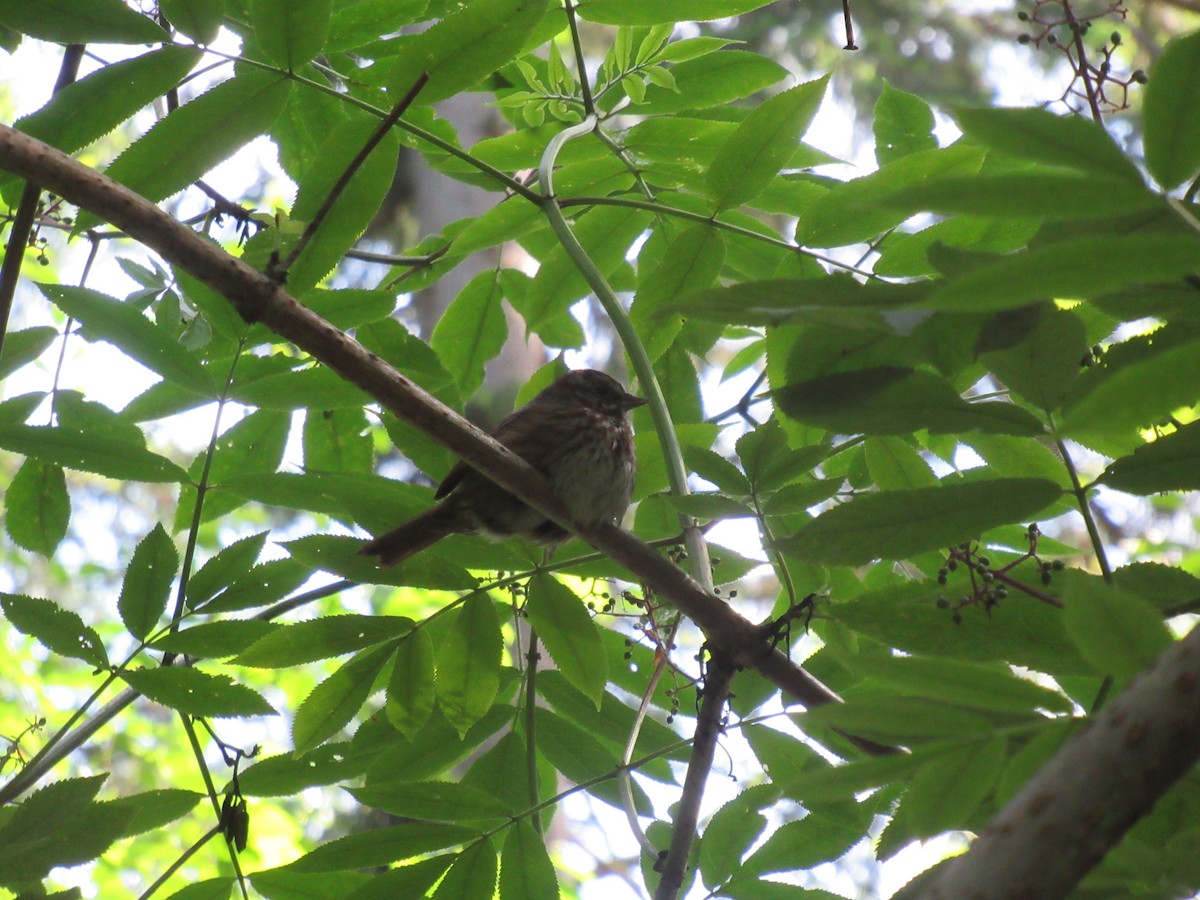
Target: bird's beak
(629,401)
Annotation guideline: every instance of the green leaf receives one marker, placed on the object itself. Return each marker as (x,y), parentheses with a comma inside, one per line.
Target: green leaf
(892,719)
(903,125)
(611,723)
(576,754)
(768,460)
(263,584)
(468,665)
(1022,632)
(562,622)
(1139,385)
(988,687)
(24,346)
(350,307)
(893,400)
(198,19)
(713,80)
(328,636)
(1071,141)
(472,330)
(338,555)
(1072,269)
(691,262)
(312,388)
(1160,585)
(1118,632)
(731,831)
(227,565)
(183,146)
(410,880)
(525,867)
(252,446)
(801,844)
(773,300)
(355,206)
(147,582)
(854,211)
(657,12)
(219,888)
(840,783)
(150,810)
(708,505)
(354,24)
(1170,462)
(196,693)
(894,464)
(715,468)
(291,32)
(80,21)
(336,700)
(462,49)
(58,825)
(215,640)
(942,795)
(337,440)
(37,507)
(60,630)
(381,846)
(1040,195)
(473,875)
(1172,97)
(433,801)
(411,692)
(434,749)
(900,524)
(607,233)
(908,254)
(1045,361)
(125,327)
(289,773)
(761,145)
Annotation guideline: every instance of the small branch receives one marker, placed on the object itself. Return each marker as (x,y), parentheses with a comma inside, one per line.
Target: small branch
(22,225)
(850,45)
(687,214)
(279,271)
(1082,64)
(589,103)
(709,727)
(175,866)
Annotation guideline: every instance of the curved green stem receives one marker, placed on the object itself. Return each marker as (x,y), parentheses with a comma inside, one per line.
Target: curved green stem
(639,359)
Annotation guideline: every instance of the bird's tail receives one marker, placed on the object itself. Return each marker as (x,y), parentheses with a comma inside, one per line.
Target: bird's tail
(413,536)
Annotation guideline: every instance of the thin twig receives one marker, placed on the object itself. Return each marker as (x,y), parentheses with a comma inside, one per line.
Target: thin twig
(279,271)
(22,226)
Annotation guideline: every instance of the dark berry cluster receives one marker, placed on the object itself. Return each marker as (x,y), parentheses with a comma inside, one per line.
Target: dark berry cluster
(988,584)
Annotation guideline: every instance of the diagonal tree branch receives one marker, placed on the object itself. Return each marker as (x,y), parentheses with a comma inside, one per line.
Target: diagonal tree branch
(259,299)
(1081,803)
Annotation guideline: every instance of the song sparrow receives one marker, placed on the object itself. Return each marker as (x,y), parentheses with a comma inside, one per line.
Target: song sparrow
(576,433)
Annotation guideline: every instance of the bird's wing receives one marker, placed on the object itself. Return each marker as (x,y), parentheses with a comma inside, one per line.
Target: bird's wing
(522,441)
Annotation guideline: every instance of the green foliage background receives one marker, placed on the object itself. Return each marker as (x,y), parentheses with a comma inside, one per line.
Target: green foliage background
(1044,318)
